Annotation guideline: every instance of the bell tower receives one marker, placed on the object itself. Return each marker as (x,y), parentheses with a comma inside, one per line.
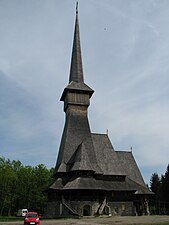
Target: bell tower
(76,97)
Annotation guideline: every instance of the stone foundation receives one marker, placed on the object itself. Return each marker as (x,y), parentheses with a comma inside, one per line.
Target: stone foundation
(88,208)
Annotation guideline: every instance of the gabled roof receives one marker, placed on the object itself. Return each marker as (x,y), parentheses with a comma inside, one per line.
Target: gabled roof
(115,162)
(103,159)
(129,164)
(80,160)
(58,184)
(106,156)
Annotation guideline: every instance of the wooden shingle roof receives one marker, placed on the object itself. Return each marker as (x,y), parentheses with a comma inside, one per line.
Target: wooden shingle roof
(106,156)
(127,161)
(90,183)
(115,162)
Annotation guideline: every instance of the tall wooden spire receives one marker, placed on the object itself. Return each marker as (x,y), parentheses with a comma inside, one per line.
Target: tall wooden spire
(76,79)
(76,98)
(76,71)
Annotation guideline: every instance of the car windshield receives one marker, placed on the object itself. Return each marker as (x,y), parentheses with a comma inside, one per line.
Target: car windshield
(32,215)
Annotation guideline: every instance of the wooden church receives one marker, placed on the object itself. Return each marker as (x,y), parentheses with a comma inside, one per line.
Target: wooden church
(91,178)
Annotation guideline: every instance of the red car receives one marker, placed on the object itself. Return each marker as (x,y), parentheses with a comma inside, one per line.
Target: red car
(32,218)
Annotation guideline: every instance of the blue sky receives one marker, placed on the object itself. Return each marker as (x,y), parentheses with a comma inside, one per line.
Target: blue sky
(125,52)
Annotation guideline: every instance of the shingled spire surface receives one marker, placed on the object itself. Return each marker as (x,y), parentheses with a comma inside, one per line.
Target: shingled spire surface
(76,77)
(76,71)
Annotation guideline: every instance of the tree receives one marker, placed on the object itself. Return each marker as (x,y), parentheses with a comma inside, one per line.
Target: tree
(43,178)
(155,184)
(8,180)
(22,186)
(165,188)
(160,186)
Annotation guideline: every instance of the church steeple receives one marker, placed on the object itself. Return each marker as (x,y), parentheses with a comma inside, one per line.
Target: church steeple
(76,70)
(76,143)
(76,92)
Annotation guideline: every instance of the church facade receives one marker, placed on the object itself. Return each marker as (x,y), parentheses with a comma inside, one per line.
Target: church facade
(91,178)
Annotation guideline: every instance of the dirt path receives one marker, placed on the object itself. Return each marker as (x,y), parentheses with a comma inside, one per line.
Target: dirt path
(103,221)
(110,221)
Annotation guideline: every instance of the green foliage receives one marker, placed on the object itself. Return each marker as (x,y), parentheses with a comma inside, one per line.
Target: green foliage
(165,186)
(155,184)
(160,186)
(22,186)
